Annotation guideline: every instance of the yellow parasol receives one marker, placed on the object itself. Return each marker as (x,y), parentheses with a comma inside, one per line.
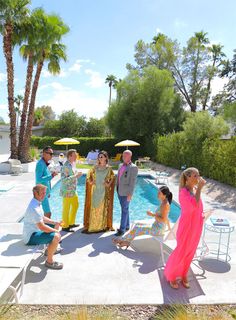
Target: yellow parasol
(127,143)
(66,142)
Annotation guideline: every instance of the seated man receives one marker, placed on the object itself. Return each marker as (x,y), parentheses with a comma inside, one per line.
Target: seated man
(38,229)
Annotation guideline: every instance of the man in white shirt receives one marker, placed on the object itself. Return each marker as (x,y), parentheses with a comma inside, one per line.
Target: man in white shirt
(39,229)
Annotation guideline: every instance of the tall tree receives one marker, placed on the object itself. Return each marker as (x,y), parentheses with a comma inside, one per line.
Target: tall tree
(217,56)
(26,37)
(112,81)
(43,114)
(52,51)
(145,105)
(228,94)
(11,12)
(191,66)
(38,117)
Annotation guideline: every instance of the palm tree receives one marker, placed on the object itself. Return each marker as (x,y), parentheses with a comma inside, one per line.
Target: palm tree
(112,81)
(38,117)
(11,12)
(49,49)
(217,55)
(28,39)
(18,100)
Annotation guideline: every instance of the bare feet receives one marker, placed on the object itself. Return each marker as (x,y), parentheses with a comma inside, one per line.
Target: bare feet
(185,283)
(174,284)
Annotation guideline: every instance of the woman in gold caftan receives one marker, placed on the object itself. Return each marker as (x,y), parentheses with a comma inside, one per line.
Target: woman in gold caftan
(98,209)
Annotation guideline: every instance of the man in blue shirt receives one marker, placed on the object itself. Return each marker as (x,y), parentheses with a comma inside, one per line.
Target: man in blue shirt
(44,176)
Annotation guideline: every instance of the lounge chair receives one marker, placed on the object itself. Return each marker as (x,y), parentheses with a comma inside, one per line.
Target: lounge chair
(80,159)
(15,258)
(117,158)
(162,177)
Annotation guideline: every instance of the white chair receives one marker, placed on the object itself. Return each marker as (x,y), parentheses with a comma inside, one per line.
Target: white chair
(15,258)
(162,177)
(170,237)
(15,166)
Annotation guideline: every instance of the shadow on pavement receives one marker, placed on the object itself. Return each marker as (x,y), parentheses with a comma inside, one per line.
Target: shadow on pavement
(214,265)
(181,295)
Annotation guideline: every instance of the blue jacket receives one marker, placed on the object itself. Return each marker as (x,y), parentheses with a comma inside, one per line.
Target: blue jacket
(43,175)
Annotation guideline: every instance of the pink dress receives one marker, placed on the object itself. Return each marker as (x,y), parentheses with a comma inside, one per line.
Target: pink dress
(188,236)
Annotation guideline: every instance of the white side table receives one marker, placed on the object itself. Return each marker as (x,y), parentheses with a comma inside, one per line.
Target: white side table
(220,245)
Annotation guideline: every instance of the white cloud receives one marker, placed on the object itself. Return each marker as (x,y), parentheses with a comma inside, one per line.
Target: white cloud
(3,77)
(158,30)
(84,60)
(76,66)
(96,80)
(79,63)
(178,23)
(47,74)
(64,98)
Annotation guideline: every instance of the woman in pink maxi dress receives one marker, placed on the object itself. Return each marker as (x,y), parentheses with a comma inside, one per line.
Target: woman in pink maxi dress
(189,229)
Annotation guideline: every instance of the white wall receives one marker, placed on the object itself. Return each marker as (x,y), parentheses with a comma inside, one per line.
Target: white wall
(4,142)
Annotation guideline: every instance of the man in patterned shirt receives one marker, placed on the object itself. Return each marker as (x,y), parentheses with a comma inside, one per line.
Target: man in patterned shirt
(68,191)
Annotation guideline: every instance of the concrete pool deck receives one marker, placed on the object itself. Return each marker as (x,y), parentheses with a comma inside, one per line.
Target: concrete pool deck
(96,272)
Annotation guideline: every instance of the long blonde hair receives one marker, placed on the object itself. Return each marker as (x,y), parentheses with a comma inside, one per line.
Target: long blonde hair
(184,175)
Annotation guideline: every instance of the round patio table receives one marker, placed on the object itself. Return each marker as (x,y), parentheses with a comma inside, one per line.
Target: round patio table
(220,246)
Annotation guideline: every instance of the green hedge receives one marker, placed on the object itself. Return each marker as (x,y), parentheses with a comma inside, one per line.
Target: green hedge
(88,144)
(219,160)
(214,158)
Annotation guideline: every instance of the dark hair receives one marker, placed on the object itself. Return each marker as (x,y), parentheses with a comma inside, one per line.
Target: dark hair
(105,154)
(166,191)
(46,148)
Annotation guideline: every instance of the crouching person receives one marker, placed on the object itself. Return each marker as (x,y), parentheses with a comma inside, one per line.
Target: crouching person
(38,229)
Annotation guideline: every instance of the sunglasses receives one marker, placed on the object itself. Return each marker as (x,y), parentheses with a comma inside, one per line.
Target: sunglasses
(51,153)
(100,157)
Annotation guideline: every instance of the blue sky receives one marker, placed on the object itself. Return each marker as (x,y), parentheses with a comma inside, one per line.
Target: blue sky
(101,41)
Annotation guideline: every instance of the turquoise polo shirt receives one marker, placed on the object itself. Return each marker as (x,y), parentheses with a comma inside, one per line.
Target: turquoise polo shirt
(43,175)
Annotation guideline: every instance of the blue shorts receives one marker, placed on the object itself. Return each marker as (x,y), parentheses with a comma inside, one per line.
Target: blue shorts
(45,204)
(41,237)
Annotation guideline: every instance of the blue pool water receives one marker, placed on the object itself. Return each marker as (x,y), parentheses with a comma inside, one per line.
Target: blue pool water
(144,198)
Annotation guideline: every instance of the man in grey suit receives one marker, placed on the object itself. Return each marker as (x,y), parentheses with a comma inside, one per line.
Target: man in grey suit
(126,179)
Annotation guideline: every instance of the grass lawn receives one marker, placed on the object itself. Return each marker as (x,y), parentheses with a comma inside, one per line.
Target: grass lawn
(122,312)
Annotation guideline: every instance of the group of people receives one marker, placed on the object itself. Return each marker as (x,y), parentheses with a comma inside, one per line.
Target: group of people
(101,183)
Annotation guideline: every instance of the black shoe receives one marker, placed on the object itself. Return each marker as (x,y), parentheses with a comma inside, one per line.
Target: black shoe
(84,231)
(127,229)
(67,230)
(119,233)
(74,225)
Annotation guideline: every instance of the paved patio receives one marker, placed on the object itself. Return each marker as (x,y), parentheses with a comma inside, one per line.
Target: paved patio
(96,272)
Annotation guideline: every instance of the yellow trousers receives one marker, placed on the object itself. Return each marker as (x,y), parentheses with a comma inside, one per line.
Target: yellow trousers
(70,207)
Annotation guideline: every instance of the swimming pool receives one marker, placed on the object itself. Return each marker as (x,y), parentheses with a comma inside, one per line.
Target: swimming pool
(144,198)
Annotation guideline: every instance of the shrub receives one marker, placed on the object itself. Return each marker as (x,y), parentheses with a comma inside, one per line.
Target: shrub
(219,160)
(88,144)
(214,158)
(169,150)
